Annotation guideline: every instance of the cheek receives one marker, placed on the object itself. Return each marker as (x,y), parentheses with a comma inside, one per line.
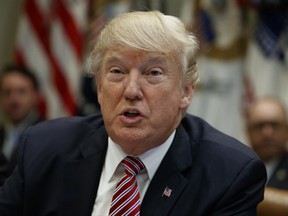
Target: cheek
(284,135)
(102,94)
(259,138)
(109,96)
(29,99)
(165,104)
(254,138)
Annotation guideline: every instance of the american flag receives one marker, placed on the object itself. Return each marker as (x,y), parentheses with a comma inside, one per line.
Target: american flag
(167,192)
(51,42)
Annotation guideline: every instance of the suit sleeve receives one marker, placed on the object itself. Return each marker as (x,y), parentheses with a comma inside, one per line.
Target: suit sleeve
(12,191)
(246,191)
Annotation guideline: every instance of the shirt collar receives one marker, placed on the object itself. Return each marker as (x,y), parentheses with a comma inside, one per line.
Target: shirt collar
(271,165)
(151,158)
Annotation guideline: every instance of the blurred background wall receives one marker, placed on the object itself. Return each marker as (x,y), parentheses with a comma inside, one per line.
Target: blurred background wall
(10,11)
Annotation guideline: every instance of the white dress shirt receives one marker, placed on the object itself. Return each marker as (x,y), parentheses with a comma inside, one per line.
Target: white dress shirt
(113,171)
(271,166)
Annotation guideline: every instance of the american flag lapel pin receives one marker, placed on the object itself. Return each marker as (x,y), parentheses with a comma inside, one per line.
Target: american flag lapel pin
(167,192)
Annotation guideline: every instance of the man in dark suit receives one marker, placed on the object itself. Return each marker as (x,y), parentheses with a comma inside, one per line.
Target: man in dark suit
(267,129)
(142,155)
(18,99)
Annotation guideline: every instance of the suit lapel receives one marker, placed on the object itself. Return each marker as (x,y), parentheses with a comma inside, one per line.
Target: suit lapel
(82,176)
(169,175)
(279,178)
(155,202)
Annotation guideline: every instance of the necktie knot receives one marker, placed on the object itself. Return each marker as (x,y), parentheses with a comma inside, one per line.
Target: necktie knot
(132,165)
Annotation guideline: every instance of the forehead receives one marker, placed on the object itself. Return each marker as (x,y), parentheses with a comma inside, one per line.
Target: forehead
(14,78)
(267,111)
(136,56)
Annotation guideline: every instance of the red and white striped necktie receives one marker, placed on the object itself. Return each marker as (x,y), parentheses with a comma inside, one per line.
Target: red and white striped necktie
(126,198)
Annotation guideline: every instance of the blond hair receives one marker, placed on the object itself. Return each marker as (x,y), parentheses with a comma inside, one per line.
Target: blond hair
(149,31)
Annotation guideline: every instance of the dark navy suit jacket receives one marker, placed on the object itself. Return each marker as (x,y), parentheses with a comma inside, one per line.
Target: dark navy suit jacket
(60,164)
(279,178)
(8,165)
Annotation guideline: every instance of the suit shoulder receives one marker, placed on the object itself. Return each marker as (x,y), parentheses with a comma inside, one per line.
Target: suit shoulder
(93,121)
(214,151)
(208,137)
(59,134)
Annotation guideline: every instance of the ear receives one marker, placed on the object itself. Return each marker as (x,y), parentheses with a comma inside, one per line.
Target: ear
(99,89)
(187,96)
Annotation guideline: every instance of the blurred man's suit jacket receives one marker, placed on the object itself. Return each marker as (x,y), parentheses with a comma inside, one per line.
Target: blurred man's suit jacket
(279,177)
(7,165)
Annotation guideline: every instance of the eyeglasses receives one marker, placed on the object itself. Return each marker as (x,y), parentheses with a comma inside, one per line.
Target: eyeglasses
(274,125)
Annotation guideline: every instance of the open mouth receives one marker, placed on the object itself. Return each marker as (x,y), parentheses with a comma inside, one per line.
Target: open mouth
(131,114)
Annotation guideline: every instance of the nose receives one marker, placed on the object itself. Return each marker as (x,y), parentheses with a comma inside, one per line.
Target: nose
(133,90)
(267,130)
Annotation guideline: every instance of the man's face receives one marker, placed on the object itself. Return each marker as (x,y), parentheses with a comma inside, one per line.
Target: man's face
(141,98)
(17,97)
(267,130)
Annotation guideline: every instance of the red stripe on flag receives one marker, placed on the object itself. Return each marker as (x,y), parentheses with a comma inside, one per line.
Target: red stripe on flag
(19,58)
(71,30)
(38,23)
(62,87)
(42,31)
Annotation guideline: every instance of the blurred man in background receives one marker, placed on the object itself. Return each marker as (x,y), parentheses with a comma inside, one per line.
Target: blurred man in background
(18,102)
(267,130)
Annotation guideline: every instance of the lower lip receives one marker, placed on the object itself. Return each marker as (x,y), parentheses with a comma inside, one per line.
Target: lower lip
(131,120)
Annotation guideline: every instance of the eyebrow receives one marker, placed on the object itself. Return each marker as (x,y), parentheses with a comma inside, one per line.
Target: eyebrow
(149,59)
(111,58)
(156,59)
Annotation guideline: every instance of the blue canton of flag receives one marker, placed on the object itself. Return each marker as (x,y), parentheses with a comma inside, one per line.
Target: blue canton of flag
(269,30)
(206,27)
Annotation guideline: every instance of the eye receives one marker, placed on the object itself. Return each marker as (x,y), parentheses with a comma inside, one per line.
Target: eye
(115,71)
(155,73)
